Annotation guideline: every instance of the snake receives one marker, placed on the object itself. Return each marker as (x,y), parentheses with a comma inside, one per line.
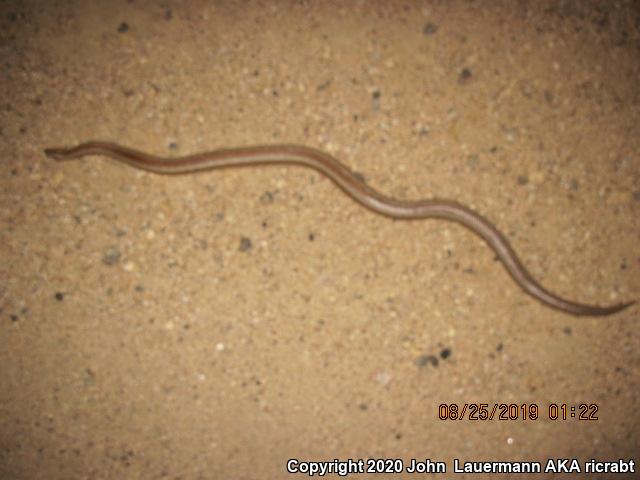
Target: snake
(355,187)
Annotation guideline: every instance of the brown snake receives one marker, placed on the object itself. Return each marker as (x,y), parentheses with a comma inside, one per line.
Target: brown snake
(344,178)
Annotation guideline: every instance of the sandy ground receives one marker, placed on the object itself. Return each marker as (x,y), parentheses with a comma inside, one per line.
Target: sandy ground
(216,325)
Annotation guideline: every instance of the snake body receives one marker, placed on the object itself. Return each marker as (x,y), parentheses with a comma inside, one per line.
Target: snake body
(353,186)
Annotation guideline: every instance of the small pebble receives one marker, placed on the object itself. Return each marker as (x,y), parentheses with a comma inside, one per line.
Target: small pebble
(245,244)
(266,198)
(424,360)
(429,28)
(111,256)
(574,185)
(465,76)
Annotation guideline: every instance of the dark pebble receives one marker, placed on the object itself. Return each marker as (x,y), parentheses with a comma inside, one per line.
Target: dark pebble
(465,76)
(323,85)
(111,256)
(429,28)
(574,185)
(360,177)
(245,244)
(266,198)
(424,360)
